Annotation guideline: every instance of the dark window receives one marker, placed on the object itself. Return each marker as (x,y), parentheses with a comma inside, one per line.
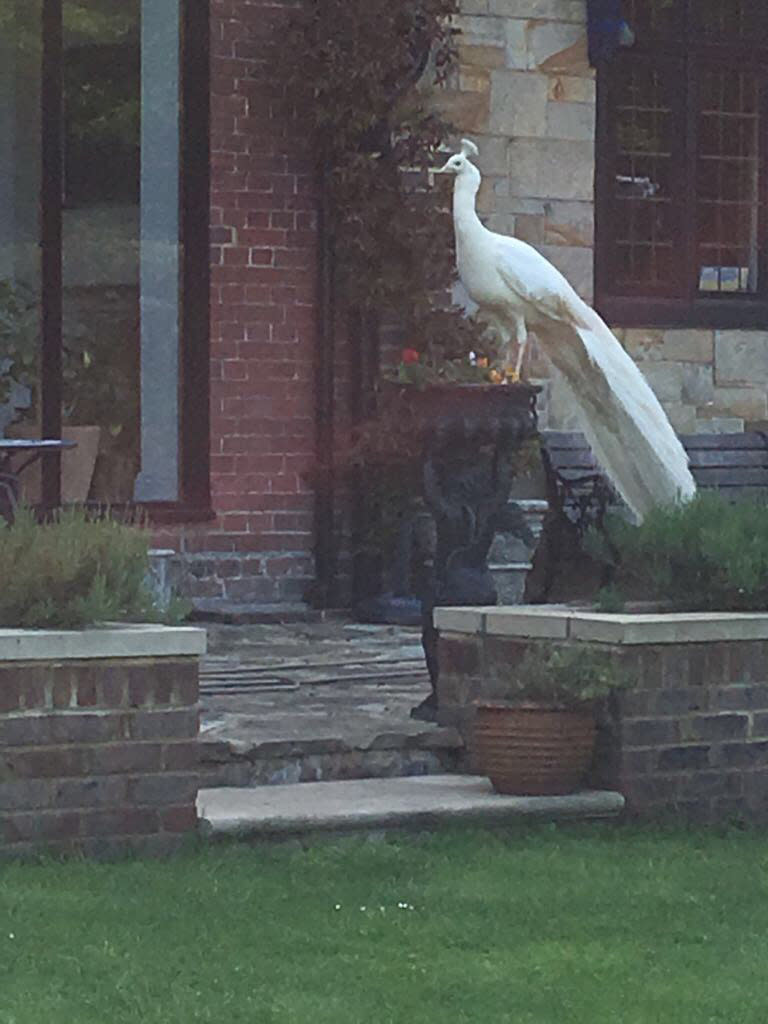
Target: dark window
(102,115)
(104,262)
(681,168)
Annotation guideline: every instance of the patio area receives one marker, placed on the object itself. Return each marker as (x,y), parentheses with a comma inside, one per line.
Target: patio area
(317,701)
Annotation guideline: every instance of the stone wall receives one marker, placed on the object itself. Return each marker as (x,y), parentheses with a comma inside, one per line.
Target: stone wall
(98,757)
(689,741)
(526,94)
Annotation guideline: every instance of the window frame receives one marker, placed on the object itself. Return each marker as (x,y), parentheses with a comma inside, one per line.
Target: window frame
(194,502)
(690,308)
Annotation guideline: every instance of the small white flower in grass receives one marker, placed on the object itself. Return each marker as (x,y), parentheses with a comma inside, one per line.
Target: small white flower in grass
(337,906)
(11,935)
(363,909)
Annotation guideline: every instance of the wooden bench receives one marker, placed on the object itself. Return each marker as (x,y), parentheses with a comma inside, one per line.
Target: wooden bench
(734,464)
(579,495)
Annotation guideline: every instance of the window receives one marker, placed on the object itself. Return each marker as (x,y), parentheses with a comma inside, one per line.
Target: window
(104,236)
(682,178)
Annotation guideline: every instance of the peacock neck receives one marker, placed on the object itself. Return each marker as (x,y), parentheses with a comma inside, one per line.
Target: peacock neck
(465,217)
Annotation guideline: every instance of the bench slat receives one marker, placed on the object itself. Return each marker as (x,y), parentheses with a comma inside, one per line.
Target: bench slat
(562,439)
(724,442)
(573,460)
(738,457)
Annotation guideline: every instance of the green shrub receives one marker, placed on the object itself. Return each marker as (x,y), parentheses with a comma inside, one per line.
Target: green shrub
(564,676)
(705,555)
(74,572)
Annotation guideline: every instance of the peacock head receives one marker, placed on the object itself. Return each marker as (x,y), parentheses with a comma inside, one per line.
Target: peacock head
(460,164)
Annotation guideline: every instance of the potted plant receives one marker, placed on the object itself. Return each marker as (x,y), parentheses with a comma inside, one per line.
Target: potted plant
(539,739)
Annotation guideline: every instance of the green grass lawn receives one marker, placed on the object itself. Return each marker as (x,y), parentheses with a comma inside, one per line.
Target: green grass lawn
(583,926)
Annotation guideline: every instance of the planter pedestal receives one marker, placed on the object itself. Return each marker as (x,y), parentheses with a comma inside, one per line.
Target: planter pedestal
(473,438)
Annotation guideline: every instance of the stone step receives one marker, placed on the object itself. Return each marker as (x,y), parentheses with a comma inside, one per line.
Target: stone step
(373,806)
(251,761)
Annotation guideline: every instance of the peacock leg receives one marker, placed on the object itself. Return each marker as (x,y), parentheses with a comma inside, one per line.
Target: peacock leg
(505,341)
(522,342)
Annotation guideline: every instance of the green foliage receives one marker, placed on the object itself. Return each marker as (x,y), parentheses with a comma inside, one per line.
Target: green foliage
(564,676)
(19,334)
(428,373)
(704,555)
(74,572)
(610,599)
(353,75)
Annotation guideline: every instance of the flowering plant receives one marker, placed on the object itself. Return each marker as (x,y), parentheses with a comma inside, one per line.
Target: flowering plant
(421,371)
(446,347)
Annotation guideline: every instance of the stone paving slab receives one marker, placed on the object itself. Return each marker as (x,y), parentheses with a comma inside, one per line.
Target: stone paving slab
(379,804)
(335,728)
(333,640)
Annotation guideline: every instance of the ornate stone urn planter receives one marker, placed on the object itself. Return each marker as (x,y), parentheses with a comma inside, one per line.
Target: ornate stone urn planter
(451,451)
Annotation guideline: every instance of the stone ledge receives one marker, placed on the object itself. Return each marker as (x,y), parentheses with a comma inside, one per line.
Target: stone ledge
(558,622)
(124,640)
(359,806)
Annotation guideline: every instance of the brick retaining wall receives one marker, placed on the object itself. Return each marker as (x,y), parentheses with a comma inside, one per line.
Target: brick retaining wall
(98,757)
(689,741)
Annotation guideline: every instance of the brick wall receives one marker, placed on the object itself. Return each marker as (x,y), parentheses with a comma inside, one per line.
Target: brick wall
(98,757)
(263,259)
(688,742)
(692,739)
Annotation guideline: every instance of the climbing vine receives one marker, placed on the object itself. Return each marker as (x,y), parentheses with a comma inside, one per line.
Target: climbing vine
(358,75)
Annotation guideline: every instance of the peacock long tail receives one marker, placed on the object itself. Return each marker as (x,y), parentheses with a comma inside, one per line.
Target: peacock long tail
(621,418)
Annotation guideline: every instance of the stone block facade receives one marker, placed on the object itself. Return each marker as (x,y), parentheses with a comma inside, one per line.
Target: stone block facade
(98,757)
(525,93)
(689,741)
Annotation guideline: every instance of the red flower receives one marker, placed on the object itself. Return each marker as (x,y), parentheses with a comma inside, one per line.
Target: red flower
(409,355)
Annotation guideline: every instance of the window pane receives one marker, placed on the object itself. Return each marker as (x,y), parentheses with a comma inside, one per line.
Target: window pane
(102,123)
(20,181)
(728,207)
(644,228)
(651,19)
(724,20)
(122,247)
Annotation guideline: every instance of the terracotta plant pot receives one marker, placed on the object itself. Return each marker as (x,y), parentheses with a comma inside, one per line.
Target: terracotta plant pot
(533,751)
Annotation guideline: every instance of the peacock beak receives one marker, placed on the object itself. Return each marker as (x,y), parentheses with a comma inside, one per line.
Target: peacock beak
(445,169)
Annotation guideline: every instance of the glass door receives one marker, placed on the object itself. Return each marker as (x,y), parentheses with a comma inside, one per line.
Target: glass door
(21,54)
(91,261)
